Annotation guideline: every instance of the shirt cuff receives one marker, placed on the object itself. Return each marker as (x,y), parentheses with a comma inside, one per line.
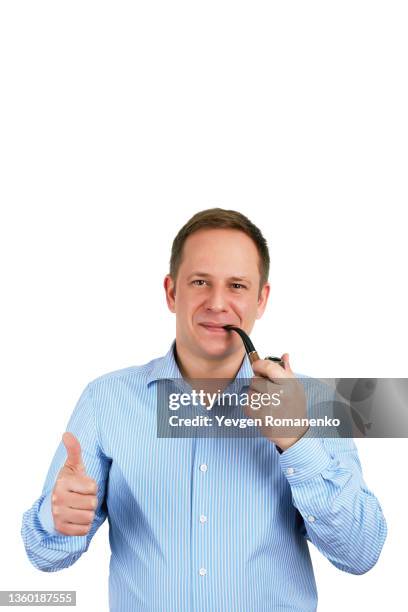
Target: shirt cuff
(45,515)
(304,460)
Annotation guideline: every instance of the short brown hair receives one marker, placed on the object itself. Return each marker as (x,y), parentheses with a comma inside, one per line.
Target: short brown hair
(220,218)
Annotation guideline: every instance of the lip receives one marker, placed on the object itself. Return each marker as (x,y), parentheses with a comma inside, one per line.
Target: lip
(215,328)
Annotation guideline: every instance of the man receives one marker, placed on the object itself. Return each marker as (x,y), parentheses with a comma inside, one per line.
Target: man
(199,523)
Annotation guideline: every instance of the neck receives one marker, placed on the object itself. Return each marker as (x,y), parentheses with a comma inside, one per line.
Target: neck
(191,366)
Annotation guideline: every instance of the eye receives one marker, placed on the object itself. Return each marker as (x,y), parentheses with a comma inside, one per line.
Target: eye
(201,280)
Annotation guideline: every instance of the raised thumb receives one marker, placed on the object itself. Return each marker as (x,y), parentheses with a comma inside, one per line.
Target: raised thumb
(73,448)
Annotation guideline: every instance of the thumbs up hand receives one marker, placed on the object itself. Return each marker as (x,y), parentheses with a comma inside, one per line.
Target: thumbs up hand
(73,499)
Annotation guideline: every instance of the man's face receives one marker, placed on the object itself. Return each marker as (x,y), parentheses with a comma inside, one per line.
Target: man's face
(217,284)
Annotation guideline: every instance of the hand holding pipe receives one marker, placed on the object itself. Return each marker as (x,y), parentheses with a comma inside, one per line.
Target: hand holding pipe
(249,347)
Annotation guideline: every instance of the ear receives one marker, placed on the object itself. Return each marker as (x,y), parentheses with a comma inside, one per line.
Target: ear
(170,290)
(263,300)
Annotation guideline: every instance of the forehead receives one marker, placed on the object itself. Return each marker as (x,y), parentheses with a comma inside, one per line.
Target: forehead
(220,251)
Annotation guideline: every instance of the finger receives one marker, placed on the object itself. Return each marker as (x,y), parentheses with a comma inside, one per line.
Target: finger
(285,359)
(70,515)
(75,500)
(269,369)
(72,529)
(73,448)
(76,484)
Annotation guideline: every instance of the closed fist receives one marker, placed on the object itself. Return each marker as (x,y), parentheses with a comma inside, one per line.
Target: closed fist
(73,499)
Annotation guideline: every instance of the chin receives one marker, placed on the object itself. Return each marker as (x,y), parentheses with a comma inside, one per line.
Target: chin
(213,349)
(210,346)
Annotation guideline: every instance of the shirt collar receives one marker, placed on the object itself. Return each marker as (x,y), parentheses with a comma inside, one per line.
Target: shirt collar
(166,367)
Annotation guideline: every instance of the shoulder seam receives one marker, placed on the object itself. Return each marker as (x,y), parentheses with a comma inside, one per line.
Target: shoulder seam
(97,436)
(125,372)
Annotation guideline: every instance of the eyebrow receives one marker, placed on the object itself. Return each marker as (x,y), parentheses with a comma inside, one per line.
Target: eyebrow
(232,278)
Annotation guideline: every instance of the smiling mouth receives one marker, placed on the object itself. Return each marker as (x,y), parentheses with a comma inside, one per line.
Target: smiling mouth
(214,329)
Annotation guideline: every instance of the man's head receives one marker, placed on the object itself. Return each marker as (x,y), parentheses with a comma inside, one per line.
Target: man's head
(219,269)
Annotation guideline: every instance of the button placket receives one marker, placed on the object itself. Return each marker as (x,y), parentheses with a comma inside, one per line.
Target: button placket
(200,507)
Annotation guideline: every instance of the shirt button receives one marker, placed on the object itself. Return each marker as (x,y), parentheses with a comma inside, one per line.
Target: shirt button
(290,471)
(203,571)
(203,467)
(311,519)
(203,518)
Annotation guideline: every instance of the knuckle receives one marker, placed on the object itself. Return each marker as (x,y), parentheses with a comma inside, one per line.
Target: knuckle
(59,483)
(56,511)
(94,485)
(73,530)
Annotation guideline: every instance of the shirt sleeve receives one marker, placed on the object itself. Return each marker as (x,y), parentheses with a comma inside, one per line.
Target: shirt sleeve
(47,549)
(342,517)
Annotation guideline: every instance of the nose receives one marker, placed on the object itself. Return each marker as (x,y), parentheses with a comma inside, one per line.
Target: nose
(215,301)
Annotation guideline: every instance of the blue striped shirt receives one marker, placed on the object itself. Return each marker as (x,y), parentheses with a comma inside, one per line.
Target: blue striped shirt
(206,524)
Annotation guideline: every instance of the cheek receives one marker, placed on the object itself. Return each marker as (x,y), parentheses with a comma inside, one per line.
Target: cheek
(187,305)
(243,303)
(247,310)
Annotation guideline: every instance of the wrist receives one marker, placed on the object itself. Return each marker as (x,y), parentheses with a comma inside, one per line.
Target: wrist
(284,443)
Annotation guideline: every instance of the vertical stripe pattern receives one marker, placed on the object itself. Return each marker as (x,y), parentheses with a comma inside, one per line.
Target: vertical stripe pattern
(206,524)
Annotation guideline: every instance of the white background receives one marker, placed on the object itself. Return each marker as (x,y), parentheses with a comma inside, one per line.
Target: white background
(121,120)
